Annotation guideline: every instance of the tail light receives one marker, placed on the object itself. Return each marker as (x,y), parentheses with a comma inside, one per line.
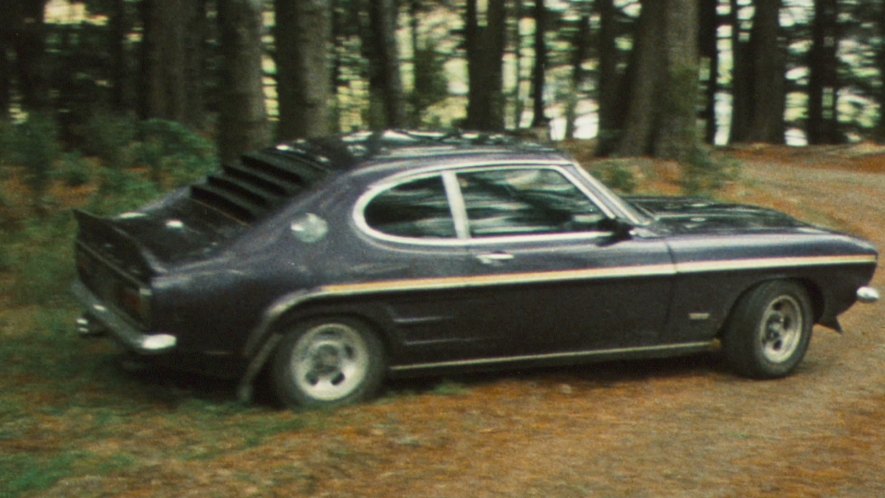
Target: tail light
(135,301)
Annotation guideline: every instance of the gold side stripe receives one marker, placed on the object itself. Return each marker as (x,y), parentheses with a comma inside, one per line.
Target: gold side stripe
(589,274)
(762,263)
(509,278)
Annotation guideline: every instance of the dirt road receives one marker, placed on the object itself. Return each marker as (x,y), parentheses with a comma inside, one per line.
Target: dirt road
(682,427)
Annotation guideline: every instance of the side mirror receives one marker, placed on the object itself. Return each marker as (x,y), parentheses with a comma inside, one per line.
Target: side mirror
(620,229)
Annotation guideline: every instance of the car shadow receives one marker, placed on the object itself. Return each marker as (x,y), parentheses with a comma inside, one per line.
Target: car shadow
(171,388)
(599,373)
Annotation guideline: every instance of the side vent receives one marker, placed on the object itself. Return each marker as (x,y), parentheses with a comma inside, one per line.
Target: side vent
(256,185)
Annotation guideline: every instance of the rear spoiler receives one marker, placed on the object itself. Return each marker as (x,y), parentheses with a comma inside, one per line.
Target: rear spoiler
(104,237)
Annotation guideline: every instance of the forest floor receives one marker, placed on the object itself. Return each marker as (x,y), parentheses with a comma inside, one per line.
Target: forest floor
(74,425)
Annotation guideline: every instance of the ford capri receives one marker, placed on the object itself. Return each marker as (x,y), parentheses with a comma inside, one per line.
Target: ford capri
(334,263)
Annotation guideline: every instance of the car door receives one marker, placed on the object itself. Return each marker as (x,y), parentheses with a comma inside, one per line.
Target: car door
(412,265)
(555,278)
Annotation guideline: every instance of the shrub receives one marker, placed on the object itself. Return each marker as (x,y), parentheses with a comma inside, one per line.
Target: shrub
(706,173)
(169,148)
(109,137)
(33,146)
(74,170)
(121,190)
(617,175)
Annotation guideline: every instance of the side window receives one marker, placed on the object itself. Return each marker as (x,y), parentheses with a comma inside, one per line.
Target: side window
(525,201)
(417,209)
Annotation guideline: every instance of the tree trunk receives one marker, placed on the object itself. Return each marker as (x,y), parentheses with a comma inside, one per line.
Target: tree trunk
(769,97)
(385,84)
(5,74)
(30,47)
(336,78)
(675,136)
(741,81)
(709,39)
(517,65)
(880,57)
(485,53)
(759,108)
(303,32)
(661,116)
(580,47)
(417,109)
(539,119)
(172,61)
(646,72)
(823,82)
(118,29)
(197,32)
(242,124)
(608,82)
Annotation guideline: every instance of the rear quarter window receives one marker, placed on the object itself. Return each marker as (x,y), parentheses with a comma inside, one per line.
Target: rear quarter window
(413,209)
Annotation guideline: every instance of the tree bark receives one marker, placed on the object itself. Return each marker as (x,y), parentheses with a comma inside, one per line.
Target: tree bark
(539,119)
(242,122)
(769,97)
(759,105)
(118,28)
(676,124)
(823,84)
(741,81)
(29,44)
(172,61)
(5,73)
(580,47)
(608,82)
(485,44)
(518,106)
(880,57)
(645,72)
(661,116)
(709,47)
(385,84)
(303,32)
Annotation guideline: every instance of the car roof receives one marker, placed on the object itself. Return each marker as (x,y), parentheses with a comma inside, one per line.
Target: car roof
(364,149)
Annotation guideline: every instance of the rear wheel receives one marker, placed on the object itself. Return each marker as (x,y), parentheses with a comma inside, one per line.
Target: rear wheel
(327,362)
(769,330)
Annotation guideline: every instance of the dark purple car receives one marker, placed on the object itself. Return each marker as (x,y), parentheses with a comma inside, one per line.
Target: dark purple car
(334,263)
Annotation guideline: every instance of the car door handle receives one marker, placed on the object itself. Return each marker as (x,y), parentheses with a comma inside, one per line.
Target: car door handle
(493,258)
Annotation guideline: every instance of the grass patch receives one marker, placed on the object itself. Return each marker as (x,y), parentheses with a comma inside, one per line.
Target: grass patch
(450,388)
(28,473)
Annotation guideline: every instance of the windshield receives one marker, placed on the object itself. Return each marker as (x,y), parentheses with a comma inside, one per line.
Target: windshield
(634,213)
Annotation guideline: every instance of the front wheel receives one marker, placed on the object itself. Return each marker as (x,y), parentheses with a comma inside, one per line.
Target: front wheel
(769,330)
(327,362)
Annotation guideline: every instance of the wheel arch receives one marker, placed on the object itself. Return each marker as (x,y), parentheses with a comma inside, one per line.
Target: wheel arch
(812,289)
(281,316)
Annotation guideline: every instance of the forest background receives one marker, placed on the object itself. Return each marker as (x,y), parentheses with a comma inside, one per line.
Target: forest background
(106,104)
(655,77)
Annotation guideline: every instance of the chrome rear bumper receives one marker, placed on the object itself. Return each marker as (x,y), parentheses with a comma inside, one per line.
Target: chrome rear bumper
(99,318)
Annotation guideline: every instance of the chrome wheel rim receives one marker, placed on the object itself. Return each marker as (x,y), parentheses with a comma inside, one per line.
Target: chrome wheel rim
(330,361)
(781,329)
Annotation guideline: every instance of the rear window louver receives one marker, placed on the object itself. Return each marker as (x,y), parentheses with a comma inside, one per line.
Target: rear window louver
(256,185)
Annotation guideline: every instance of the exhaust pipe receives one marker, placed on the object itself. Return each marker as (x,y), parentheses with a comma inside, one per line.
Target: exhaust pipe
(88,327)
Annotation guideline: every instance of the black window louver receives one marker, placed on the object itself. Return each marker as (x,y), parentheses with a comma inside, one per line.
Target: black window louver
(257,184)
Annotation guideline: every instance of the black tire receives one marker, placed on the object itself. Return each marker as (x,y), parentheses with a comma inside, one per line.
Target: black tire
(326,363)
(769,330)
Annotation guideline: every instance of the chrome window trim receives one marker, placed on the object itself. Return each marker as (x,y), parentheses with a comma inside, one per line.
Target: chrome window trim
(449,173)
(625,209)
